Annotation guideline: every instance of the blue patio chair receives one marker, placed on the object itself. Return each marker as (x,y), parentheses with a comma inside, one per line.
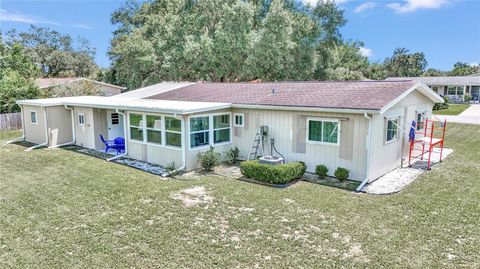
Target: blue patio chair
(119,144)
(109,144)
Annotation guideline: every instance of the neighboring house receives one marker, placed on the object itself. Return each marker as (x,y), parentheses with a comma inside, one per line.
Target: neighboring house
(455,88)
(359,125)
(75,86)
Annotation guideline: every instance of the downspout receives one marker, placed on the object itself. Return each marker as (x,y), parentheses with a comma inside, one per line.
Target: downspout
(46,132)
(22,138)
(124,135)
(184,147)
(369,152)
(74,136)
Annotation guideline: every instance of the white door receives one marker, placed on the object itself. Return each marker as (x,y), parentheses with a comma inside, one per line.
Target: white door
(114,125)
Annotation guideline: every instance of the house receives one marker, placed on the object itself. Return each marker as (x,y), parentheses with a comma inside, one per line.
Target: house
(455,88)
(67,86)
(359,125)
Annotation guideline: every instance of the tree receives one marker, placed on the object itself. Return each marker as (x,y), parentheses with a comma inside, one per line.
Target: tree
(54,52)
(375,71)
(405,64)
(464,69)
(214,40)
(17,75)
(346,62)
(432,72)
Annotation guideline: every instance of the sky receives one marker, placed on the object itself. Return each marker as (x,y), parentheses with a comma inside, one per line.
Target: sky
(447,31)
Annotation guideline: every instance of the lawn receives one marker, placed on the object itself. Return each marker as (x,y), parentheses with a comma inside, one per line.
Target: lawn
(61,209)
(453,109)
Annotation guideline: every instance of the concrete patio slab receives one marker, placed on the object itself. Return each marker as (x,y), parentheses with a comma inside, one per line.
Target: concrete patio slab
(399,178)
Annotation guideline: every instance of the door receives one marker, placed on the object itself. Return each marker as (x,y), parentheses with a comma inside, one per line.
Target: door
(114,125)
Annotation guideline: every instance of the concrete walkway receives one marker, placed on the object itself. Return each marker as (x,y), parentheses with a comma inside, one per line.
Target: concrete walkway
(400,178)
(470,116)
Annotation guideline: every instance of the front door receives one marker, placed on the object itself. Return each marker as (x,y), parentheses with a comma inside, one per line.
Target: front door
(114,125)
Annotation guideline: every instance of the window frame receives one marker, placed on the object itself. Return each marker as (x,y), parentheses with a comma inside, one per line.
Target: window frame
(242,115)
(154,129)
(163,143)
(419,112)
(210,130)
(81,123)
(323,120)
(222,128)
(397,118)
(142,127)
(36,117)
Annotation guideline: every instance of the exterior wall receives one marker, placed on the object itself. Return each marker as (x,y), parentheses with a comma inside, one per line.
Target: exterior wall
(288,128)
(100,124)
(109,90)
(59,122)
(154,154)
(34,133)
(388,156)
(85,134)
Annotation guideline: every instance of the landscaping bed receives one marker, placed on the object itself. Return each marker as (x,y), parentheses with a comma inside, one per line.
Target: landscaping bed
(350,185)
(281,175)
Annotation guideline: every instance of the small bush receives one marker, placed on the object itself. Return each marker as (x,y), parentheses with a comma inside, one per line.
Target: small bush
(441,106)
(171,167)
(468,98)
(209,159)
(274,174)
(341,173)
(232,155)
(304,167)
(321,170)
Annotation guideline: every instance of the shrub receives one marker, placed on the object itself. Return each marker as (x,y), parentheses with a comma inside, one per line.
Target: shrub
(321,170)
(341,173)
(468,98)
(441,106)
(209,159)
(274,174)
(232,155)
(171,167)
(304,170)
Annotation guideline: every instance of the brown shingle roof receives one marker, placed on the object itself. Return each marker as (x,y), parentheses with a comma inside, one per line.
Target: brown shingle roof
(368,95)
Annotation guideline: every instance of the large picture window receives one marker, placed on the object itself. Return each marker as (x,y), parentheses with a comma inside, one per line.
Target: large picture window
(199,131)
(173,132)
(136,127)
(221,128)
(154,129)
(323,131)
(392,129)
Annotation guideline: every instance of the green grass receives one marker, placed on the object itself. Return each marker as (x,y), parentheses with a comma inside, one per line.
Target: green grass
(60,209)
(453,109)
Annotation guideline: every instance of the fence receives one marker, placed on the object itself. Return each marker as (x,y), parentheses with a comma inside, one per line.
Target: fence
(10,121)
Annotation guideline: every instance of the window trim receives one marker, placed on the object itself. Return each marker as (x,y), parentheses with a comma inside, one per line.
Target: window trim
(161,130)
(165,131)
(386,129)
(320,119)
(235,118)
(78,118)
(210,130)
(36,117)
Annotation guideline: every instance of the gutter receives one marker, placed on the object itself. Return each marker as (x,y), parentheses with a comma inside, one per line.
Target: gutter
(74,136)
(22,138)
(369,153)
(124,134)
(46,132)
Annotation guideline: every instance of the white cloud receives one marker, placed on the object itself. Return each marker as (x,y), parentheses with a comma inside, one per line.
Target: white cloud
(14,16)
(365,52)
(413,5)
(474,64)
(82,26)
(365,6)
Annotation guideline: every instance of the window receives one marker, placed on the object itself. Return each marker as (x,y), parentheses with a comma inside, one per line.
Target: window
(392,129)
(81,119)
(115,119)
(173,132)
(199,131)
(323,131)
(221,128)
(136,127)
(154,129)
(459,90)
(238,120)
(421,116)
(33,116)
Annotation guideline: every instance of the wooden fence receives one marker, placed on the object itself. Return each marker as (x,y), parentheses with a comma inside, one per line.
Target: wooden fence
(10,121)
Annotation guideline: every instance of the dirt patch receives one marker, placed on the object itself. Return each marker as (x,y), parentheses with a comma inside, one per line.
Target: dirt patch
(193,196)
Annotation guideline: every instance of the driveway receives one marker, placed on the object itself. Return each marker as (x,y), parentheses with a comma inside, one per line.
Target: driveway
(470,116)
